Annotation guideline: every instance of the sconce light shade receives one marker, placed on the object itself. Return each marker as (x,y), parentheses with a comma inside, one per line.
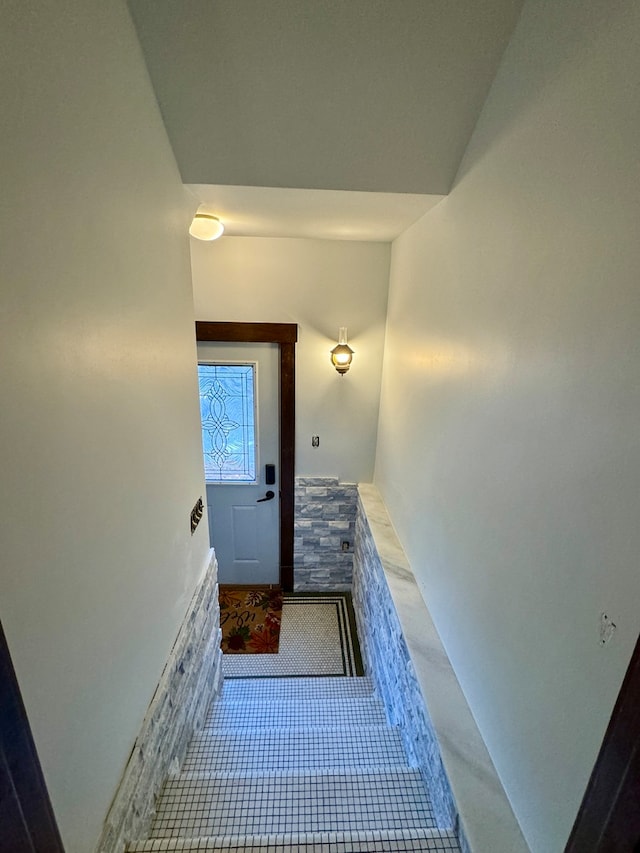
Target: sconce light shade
(206,226)
(342,354)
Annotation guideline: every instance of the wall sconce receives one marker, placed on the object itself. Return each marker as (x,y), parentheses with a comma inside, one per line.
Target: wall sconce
(206,226)
(342,354)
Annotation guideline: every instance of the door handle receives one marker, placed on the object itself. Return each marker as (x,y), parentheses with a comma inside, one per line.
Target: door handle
(268,497)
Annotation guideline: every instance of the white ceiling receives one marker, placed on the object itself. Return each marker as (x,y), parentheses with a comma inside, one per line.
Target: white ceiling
(362,96)
(320,214)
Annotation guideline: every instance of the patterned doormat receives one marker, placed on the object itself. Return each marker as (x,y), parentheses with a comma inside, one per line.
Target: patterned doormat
(318,637)
(250,620)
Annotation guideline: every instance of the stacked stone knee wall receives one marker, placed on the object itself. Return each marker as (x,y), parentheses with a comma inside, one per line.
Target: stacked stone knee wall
(190,680)
(325,516)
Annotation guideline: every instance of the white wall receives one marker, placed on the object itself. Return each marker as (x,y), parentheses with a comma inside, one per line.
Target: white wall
(99,434)
(508,451)
(321,285)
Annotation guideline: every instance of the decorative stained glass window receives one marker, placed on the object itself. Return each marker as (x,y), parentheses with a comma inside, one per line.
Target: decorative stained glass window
(227,409)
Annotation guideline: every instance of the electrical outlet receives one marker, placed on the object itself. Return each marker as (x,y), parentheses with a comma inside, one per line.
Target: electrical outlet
(607,628)
(315,441)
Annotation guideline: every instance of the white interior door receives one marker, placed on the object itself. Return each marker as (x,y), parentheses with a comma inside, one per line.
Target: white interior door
(239,408)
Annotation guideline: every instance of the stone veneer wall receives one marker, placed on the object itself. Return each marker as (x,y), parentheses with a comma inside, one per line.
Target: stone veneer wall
(189,682)
(387,660)
(325,516)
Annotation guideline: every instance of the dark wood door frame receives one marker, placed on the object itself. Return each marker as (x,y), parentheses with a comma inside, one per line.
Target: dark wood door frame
(608,820)
(27,822)
(285,335)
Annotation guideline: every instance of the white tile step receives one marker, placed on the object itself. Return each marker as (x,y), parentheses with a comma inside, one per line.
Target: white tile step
(295,714)
(372,841)
(297,688)
(249,752)
(292,802)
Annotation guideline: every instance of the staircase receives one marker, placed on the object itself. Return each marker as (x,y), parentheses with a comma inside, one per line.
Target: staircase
(287,764)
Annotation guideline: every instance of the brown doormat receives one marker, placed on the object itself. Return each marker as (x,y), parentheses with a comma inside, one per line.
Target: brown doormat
(250,620)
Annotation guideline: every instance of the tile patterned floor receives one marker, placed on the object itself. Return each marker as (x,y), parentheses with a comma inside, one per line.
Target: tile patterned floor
(262,752)
(362,841)
(286,714)
(316,639)
(298,756)
(289,689)
(298,801)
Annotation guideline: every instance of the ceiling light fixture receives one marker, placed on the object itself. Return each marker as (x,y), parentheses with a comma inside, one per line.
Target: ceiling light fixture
(342,354)
(206,226)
